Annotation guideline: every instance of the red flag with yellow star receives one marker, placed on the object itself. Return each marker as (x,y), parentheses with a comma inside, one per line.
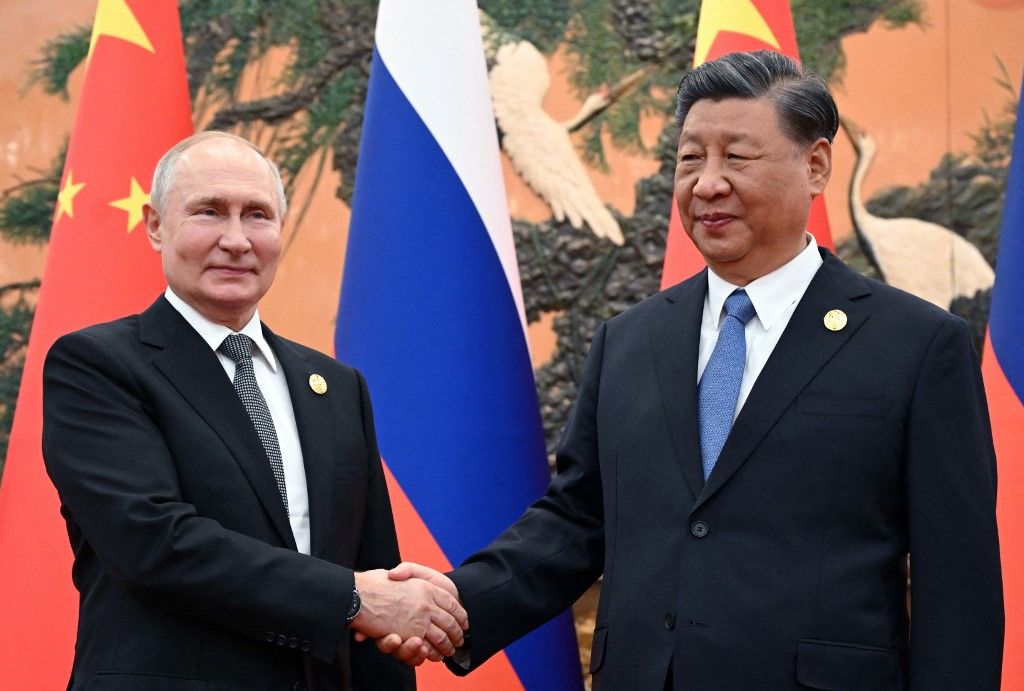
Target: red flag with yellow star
(729,26)
(134,105)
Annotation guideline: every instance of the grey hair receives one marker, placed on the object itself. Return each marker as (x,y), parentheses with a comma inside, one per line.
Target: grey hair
(803,102)
(163,175)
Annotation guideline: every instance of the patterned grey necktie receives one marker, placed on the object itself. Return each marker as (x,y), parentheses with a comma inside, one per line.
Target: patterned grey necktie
(238,347)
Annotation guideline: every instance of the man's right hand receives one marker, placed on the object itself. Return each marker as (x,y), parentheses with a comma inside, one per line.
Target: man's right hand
(410,610)
(414,651)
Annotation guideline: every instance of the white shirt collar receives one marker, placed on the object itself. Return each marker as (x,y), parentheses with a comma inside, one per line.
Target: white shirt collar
(214,333)
(772,293)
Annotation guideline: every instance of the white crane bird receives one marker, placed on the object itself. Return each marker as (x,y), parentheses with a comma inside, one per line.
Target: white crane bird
(538,146)
(920,257)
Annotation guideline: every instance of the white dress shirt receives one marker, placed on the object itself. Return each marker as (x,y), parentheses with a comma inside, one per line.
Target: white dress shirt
(775,297)
(274,386)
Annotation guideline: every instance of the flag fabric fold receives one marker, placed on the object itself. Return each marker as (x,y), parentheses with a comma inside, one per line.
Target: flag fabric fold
(1003,369)
(133,106)
(728,26)
(431,312)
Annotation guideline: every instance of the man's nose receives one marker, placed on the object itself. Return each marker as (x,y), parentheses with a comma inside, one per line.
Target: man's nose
(711,182)
(234,239)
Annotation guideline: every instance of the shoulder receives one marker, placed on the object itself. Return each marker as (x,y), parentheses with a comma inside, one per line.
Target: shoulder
(687,294)
(906,311)
(102,337)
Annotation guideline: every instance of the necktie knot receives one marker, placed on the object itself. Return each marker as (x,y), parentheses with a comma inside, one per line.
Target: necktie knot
(738,305)
(238,347)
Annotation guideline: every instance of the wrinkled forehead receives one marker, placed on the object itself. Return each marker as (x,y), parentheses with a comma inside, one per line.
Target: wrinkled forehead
(734,118)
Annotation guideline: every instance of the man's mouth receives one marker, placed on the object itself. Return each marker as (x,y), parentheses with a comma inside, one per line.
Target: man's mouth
(715,220)
(234,270)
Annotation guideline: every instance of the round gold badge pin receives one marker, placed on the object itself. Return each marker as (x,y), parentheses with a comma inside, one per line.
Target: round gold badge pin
(318,384)
(835,320)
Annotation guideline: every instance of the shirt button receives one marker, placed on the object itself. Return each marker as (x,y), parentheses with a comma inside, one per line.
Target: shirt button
(670,621)
(282,639)
(306,646)
(293,642)
(269,636)
(699,529)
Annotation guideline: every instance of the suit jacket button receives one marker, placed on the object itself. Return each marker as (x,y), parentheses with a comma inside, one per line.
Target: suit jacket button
(670,621)
(298,686)
(699,529)
(293,642)
(306,646)
(282,639)
(269,636)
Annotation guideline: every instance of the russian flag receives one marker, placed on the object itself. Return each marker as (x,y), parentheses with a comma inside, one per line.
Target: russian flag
(1003,369)
(431,312)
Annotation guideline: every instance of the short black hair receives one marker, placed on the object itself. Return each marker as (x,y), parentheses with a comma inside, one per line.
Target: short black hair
(803,102)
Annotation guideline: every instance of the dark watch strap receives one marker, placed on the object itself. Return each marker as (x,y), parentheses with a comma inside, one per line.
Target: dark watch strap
(353,611)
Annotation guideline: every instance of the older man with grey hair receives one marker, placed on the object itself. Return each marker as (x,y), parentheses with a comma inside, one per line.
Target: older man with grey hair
(756,452)
(222,487)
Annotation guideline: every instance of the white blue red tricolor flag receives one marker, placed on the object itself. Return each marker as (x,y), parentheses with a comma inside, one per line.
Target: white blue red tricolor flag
(1003,369)
(432,313)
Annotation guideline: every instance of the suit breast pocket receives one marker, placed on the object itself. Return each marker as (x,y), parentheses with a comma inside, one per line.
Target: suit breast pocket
(849,406)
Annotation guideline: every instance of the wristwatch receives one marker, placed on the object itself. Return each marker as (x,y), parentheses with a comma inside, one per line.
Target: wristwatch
(353,611)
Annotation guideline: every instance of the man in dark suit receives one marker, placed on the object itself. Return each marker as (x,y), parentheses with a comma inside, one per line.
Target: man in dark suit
(755,452)
(222,487)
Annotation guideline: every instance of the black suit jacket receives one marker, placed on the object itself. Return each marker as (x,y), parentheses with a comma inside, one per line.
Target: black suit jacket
(787,569)
(184,558)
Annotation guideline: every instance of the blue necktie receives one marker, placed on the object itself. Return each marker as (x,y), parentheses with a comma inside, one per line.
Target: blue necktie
(719,386)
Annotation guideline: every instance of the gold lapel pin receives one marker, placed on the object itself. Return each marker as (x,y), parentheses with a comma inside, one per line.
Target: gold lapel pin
(835,320)
(318,384)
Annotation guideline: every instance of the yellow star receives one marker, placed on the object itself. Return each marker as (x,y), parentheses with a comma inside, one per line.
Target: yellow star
(115,18)
(66,197)
(737,16)
(132,204)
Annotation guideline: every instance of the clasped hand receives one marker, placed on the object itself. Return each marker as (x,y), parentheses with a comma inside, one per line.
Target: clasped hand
(412,612)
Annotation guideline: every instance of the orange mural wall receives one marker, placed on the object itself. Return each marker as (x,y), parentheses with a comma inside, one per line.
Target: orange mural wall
(919,91)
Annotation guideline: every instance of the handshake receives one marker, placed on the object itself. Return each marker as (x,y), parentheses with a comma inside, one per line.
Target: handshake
(412,612)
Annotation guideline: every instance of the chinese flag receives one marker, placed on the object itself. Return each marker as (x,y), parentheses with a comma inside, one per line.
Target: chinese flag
(134,105)
(729,26)
(1003,368)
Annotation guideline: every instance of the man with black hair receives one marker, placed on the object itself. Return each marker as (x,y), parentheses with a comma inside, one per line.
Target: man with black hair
(756,453)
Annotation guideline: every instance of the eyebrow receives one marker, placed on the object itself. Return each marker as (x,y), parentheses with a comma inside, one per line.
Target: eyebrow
(739,137)
(213,200)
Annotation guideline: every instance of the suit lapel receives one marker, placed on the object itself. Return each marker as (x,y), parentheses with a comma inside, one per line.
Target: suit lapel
(804,348)
(675,341)
(314,423)
(193,369)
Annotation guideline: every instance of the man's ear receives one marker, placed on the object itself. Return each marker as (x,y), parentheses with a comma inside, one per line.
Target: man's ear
(151,218)
(819,165)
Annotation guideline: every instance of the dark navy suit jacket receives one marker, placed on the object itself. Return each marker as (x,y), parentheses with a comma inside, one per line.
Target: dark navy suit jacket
(787,569)
(184,558)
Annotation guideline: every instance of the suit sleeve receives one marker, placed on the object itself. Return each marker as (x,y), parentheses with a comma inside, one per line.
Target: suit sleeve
(956,636)
(116,478)
(542,563)
(378,548)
